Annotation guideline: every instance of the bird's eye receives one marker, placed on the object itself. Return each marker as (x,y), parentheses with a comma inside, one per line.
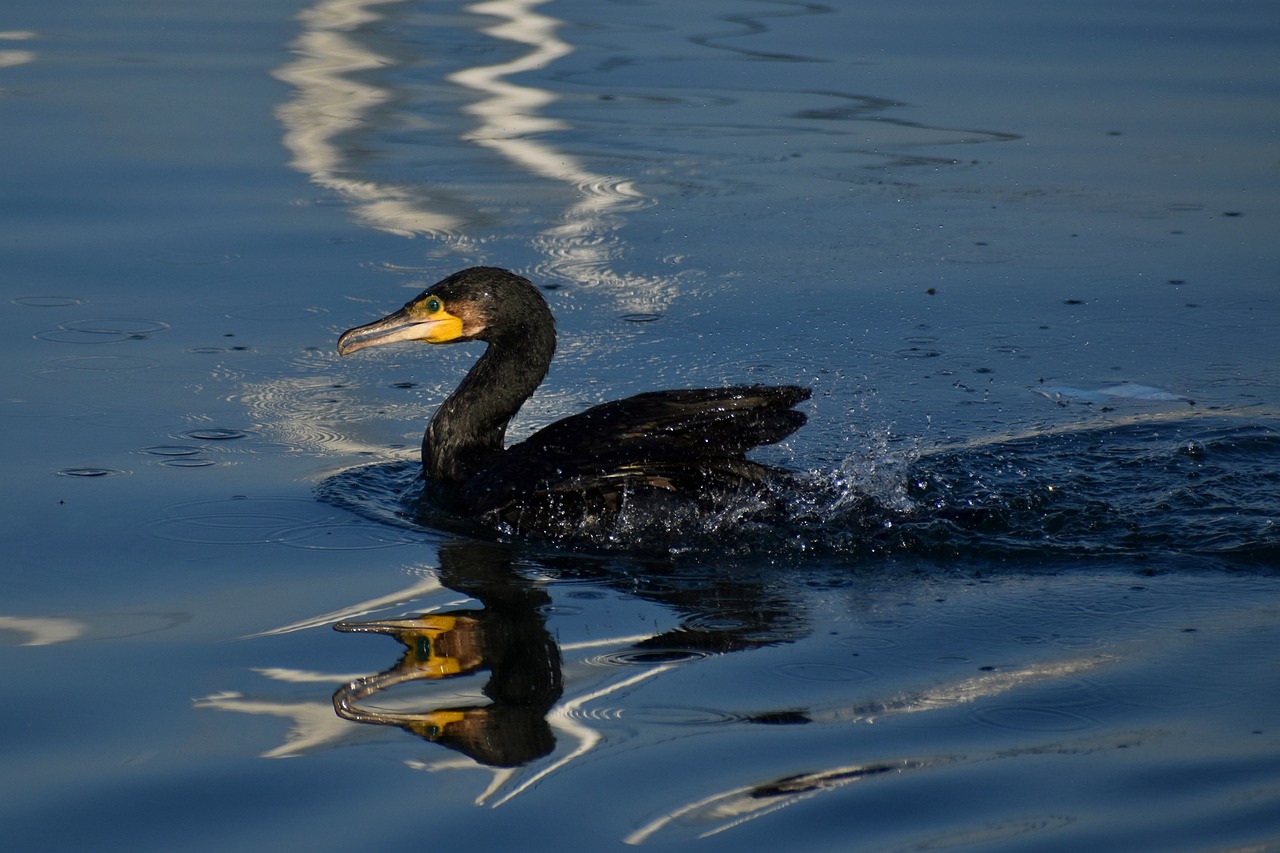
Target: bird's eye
(433,305)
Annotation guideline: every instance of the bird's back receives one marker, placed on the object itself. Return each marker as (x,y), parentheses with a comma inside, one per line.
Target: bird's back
(685,446)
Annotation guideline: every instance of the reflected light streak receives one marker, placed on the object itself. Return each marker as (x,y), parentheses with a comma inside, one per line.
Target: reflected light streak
(329,101)
(509,110)
(332,97)
(605,642)
(423,587)
(314,723)
(499,775)
(289,675)
(562,718)
(983,686)
(44,630)
(10,58)
(578,248)
(738,805)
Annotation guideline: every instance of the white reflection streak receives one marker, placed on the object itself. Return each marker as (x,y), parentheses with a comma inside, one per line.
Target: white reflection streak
(587,737)
(10,58)
(508,111)
(981,687)
(758,807)
(44,630)
(739,805)
(329,101)
(604,642)
(314,723)
(509,118)
(423,587)
(289,675)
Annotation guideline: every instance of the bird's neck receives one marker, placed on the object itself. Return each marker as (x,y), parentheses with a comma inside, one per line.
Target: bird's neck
(470,426)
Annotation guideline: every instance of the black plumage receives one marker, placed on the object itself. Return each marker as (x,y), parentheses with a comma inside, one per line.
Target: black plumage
(685,446)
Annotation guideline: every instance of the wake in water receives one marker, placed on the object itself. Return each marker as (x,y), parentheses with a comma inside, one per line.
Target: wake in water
(1204,485)
(1207,485)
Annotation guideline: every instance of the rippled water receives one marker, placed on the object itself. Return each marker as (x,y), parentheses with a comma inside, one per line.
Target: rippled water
(1021,596)
(1146,487)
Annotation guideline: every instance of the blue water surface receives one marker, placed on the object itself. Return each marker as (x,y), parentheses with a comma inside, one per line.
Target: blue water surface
(1025,257)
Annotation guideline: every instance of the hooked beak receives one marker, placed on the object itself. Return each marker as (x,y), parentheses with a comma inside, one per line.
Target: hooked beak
(400,326)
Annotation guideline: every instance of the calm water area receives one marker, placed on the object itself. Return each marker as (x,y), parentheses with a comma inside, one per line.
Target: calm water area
(1026,256)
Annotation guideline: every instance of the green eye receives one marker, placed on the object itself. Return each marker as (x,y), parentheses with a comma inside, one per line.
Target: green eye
(433,305)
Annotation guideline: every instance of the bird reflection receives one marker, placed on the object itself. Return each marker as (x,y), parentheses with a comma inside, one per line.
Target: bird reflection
(508,637)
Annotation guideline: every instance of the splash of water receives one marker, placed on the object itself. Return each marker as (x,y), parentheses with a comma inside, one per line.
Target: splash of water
(1208,486)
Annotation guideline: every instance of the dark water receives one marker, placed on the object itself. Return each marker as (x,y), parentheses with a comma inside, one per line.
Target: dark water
(1024,598)
(1149,488)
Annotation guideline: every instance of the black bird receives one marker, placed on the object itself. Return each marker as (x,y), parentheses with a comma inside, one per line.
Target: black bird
(654,452)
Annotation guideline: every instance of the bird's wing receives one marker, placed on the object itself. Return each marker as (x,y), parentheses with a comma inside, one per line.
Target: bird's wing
(675,440)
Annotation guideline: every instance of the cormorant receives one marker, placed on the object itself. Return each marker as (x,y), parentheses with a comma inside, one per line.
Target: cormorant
(652,452)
